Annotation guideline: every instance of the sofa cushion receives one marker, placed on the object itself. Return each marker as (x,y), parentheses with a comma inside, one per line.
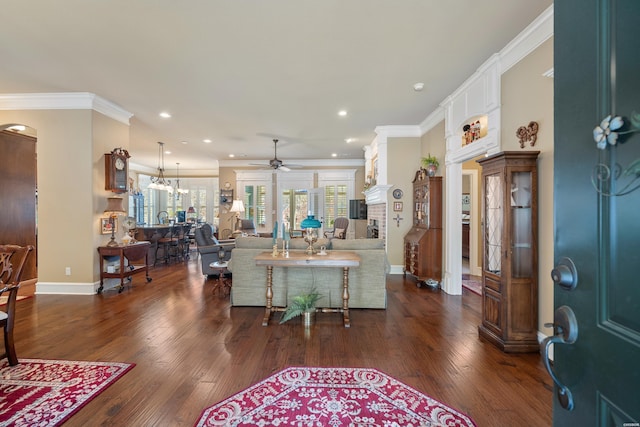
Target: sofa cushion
(245,242)
(355,244)
(301,244)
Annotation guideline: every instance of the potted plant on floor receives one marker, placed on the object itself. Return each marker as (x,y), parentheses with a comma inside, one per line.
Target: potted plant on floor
(431,164)
(304,305)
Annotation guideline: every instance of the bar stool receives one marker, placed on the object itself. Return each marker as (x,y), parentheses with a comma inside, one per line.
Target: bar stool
(168,243)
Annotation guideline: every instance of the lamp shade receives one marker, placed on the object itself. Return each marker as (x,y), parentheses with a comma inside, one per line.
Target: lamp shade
(114,205)
(237,206)
(310,222)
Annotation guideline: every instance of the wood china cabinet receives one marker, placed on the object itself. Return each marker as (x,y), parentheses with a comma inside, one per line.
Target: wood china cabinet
(510,261)
(423,243)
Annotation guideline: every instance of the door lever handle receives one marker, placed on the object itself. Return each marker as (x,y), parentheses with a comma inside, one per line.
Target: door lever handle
(565,329)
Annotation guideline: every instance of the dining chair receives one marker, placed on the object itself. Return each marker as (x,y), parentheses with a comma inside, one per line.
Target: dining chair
(12,260)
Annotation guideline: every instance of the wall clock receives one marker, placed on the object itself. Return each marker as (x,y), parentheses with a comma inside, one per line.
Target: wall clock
(116,170)
(397,193)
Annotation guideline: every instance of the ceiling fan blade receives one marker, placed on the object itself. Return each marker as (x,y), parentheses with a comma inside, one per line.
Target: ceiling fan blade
(284,168)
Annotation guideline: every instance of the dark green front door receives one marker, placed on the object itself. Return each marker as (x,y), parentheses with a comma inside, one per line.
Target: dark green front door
(597,211)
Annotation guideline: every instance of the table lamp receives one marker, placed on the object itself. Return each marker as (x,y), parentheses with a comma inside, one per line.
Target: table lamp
(310,225)
(114,208)
(237,207)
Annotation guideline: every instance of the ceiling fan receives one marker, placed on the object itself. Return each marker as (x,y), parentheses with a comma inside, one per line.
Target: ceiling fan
(276,163)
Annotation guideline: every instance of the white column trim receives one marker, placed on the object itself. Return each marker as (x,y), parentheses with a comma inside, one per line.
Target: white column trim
(452,280)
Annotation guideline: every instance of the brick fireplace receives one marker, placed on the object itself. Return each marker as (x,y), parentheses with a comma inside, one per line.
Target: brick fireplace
(377,217)
(376,198)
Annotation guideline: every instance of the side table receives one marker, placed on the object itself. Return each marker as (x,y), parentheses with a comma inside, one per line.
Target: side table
(222,282)
(132,259)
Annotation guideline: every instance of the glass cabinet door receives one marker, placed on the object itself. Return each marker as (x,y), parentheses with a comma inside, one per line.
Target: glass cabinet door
(493,223)
(521,234)
(425,205)
(418,218)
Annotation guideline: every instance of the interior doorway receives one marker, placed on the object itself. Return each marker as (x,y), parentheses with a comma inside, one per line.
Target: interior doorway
(470,220)
(18,191)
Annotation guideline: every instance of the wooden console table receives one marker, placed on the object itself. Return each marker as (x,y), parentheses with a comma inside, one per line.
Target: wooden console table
(129,258)
(340,259)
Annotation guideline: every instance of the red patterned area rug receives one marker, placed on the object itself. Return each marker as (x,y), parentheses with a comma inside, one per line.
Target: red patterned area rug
(331,397)
(47,392)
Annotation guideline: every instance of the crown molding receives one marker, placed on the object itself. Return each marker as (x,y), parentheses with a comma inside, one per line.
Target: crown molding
(536,33)
(64,101)
(306,163)
(400,131)
(432,120)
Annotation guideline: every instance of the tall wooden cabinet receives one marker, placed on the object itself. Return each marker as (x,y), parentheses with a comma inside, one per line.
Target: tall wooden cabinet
(423,243)
(510,261)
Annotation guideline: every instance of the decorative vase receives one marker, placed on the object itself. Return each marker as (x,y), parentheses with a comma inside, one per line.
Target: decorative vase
(431,170)
(308,317)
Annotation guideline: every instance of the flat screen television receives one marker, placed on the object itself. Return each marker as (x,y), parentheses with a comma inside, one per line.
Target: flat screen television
(357,209)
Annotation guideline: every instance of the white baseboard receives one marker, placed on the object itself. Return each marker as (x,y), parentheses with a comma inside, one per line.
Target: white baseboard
(62,288)
(396,269)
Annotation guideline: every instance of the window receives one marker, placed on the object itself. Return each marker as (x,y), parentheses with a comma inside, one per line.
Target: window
(338,188)
(295,206)
(201,195)
(255,202)
(254,189)
(335,203)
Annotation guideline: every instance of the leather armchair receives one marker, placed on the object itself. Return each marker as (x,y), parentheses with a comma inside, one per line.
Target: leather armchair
(210,249)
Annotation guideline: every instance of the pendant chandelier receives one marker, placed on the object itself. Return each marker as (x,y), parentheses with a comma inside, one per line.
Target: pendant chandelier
(159,182)
(179,191)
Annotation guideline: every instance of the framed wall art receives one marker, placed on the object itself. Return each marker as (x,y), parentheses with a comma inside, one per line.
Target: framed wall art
(105,225)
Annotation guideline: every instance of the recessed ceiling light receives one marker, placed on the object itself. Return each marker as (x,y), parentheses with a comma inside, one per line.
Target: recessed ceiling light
(184,142)
(165,115)
(167,152)
(206,141)
(418,87)
(334,155)
(342,113)
(350,140)
(232,155)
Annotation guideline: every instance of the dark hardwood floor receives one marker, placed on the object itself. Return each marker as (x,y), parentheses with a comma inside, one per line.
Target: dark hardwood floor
(192,349)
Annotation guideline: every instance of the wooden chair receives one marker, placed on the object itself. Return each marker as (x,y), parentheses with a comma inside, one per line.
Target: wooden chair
(12,259)
(339,231)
